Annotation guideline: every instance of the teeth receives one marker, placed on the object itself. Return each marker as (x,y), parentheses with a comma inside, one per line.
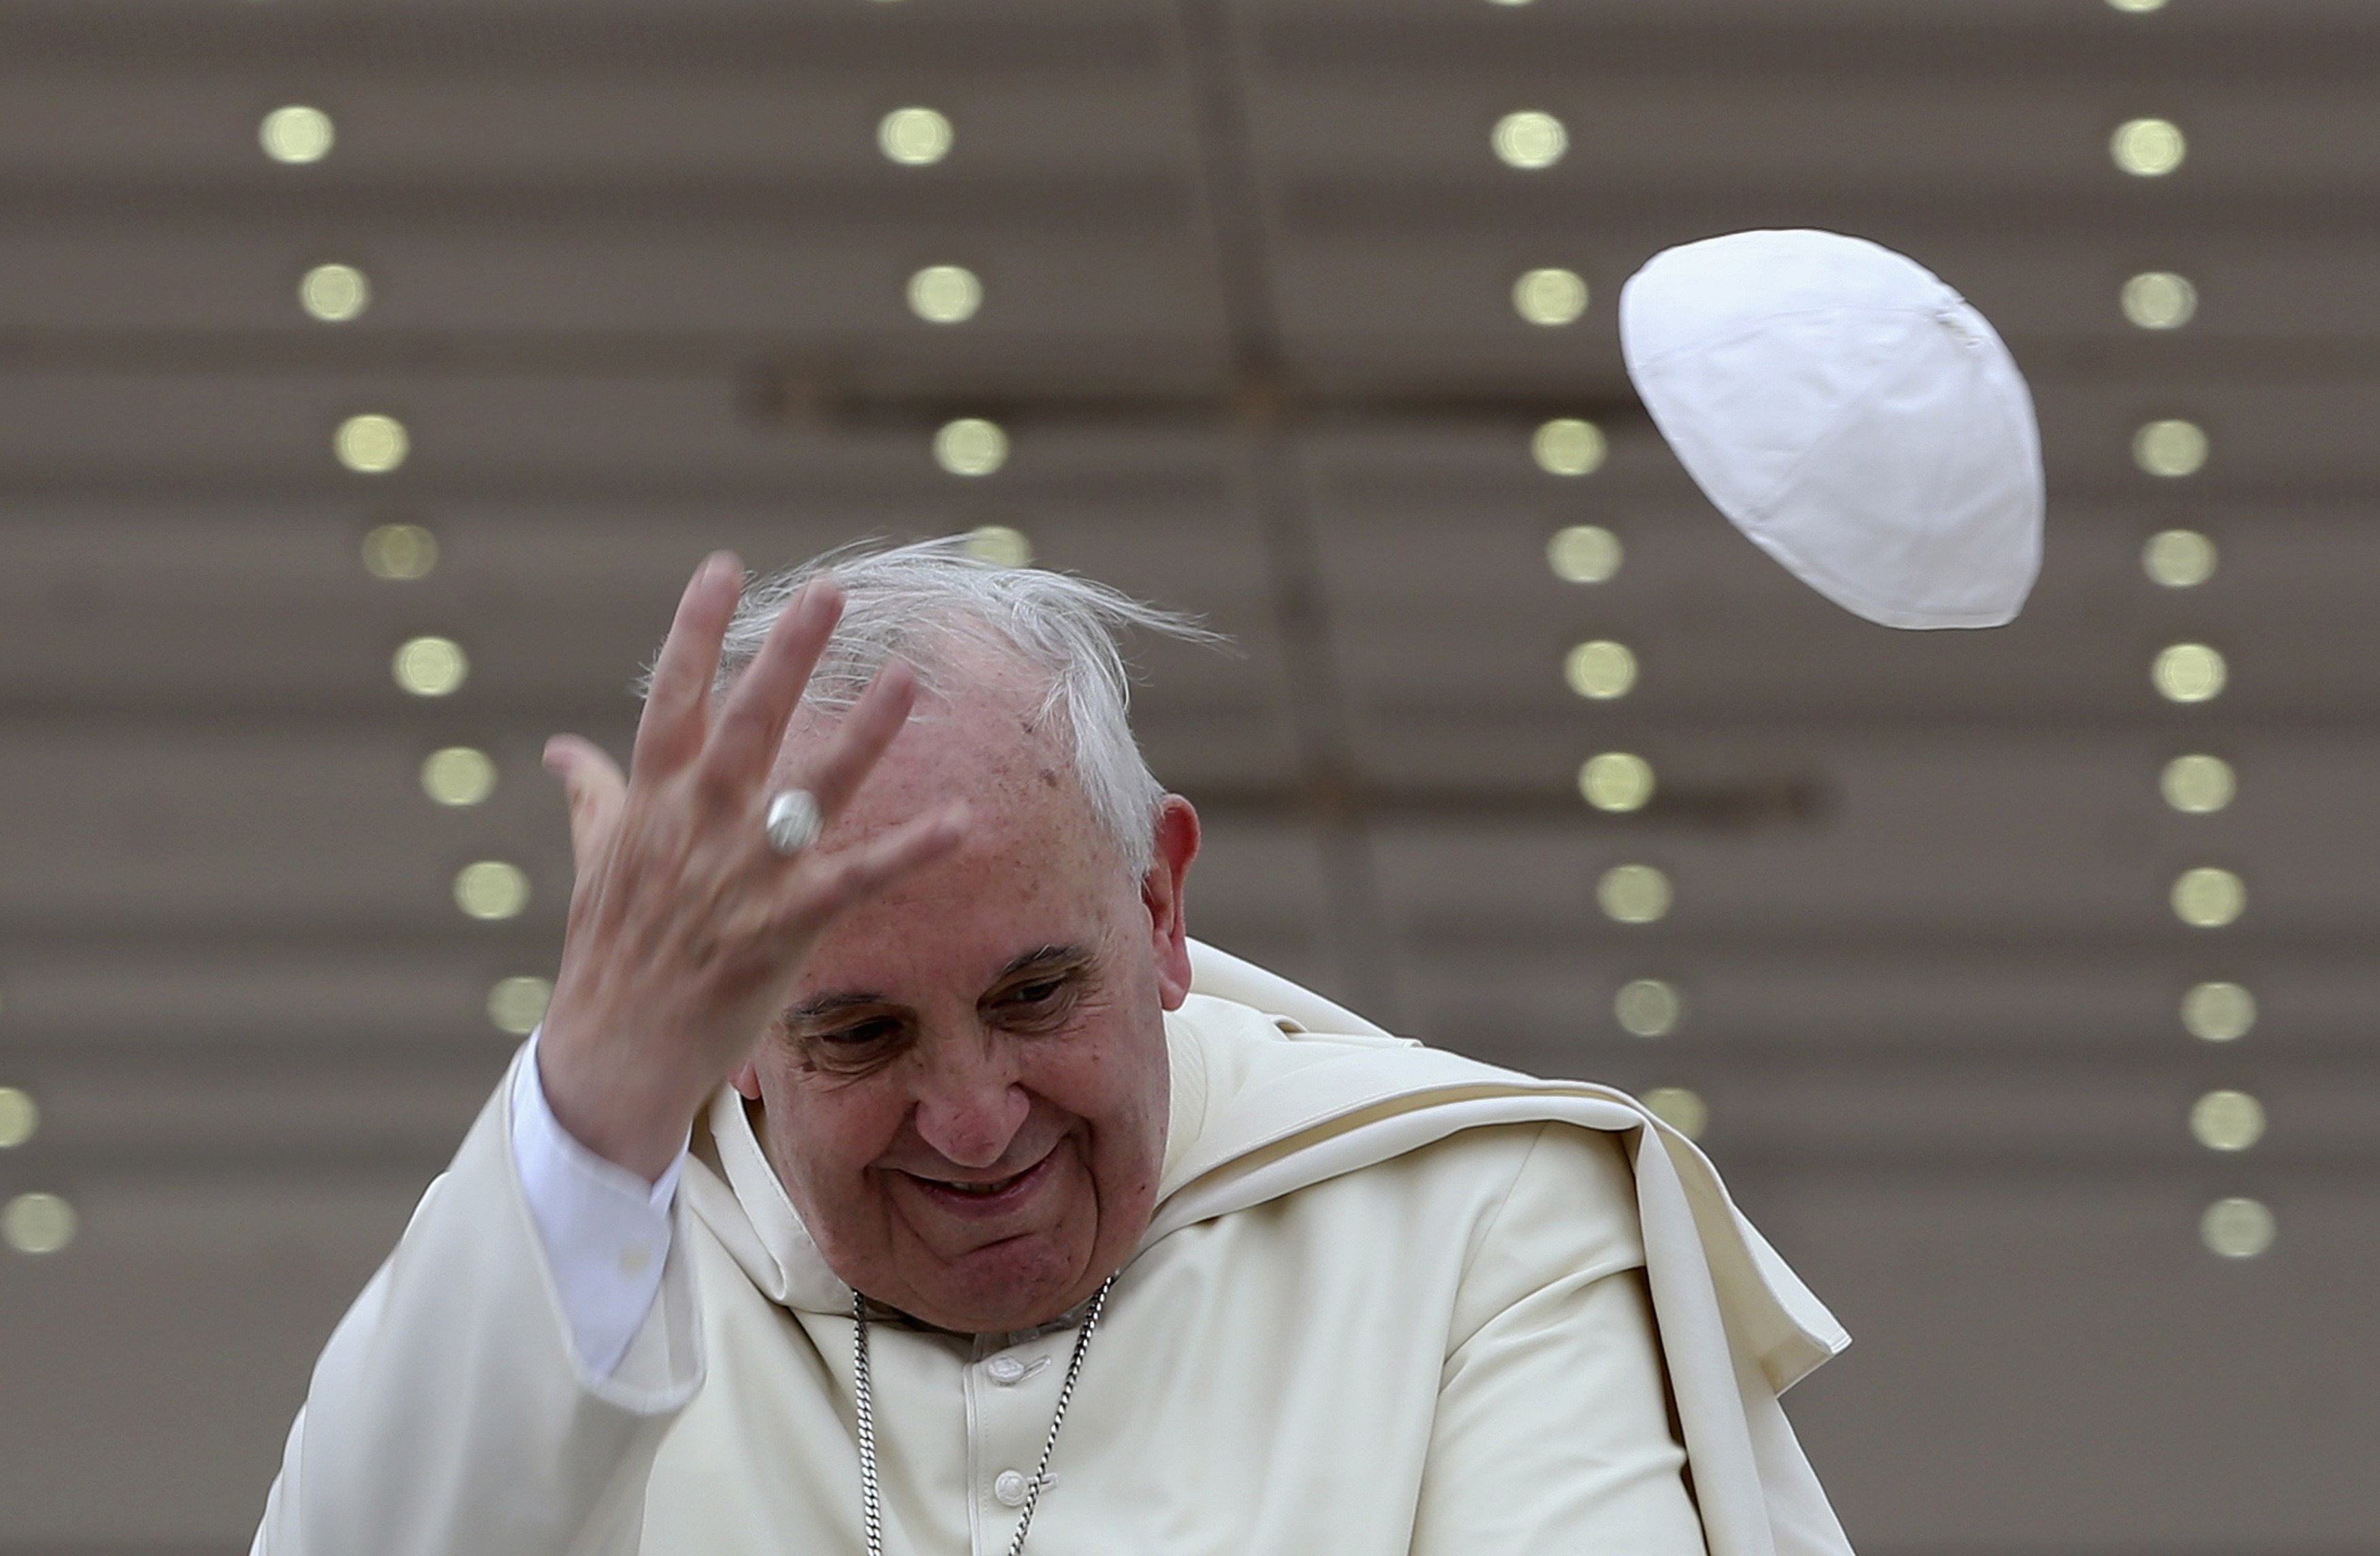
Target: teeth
(979,1190)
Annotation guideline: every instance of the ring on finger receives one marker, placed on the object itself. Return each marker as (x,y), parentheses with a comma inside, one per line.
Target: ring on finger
(793,821)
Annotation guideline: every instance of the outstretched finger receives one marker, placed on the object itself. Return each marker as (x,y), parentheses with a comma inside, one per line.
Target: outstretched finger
(859,741)
(678,710)
(752,724)
(596,792)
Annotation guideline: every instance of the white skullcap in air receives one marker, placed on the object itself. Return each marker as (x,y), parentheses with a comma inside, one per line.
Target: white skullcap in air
(1851,414)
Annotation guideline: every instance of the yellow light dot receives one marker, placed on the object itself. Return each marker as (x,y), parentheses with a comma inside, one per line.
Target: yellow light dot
(1647,1008)
(2178,558)
(21,1117)
(945,294)
(1529,139)
(297,134)
(333,294)
(400,553)
(2207,898)
(2218,1012)
(1600,670)
(518,1004)
(913,137)
(492,889)
(2159,299)
(2198,785)
(971,446)
(2148,148)
(37,1223)
(371,445)
(431,666)
(1583,554)
(1568,446)
(1000,545)
(1633,894)
(1616,780)
(2236,1228)
(2138,7)
(1550,298)
(2172,449)
(1681,1109)
(2226,1121)
(2190,673)
(458,775)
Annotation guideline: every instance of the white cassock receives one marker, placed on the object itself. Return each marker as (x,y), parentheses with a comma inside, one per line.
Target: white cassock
(1393,1301)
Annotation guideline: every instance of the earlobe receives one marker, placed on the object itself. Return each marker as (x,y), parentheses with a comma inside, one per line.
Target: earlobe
(1176,838)
(746,1079)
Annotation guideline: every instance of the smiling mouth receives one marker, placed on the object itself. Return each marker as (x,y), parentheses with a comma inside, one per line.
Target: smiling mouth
(983,1196)
(978,1191)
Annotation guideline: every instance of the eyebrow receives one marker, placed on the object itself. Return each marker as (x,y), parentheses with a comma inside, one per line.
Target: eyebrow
(826,1005)
(1045,954)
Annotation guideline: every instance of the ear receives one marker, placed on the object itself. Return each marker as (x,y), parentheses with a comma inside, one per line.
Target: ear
(746,1079)
(1160,893)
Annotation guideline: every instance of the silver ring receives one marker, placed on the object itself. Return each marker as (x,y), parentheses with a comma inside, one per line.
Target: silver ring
(794,821)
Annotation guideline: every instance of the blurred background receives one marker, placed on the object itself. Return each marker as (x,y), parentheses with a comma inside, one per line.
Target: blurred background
(372,375)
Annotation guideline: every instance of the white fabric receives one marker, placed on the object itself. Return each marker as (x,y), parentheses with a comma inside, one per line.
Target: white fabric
(1851,414)
(1395,1304)
(604,1230)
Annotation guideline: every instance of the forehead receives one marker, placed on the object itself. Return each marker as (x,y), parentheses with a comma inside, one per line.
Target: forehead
(982,734)
(1036,866)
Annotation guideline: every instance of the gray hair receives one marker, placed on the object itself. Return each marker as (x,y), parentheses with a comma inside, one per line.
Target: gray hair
(928,602)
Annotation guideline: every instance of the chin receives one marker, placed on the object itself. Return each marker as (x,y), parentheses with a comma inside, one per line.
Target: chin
(1006,1287)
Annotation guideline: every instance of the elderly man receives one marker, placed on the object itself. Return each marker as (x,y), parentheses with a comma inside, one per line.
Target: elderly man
(893,1174)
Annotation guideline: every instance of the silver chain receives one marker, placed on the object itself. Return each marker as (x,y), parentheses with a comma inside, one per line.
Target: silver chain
(871,1496)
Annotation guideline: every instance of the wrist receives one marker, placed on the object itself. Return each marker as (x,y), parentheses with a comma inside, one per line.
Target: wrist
(632,1122)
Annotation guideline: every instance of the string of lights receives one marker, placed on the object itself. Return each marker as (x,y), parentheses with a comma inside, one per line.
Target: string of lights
(2172,449)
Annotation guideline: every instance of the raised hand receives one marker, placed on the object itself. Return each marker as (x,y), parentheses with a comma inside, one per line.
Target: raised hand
(687,929)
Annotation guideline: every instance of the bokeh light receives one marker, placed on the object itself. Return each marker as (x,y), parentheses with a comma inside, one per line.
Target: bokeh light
(1616,780)
(1633,895)
(431,666)
(1600,670)
(1550,298)
(297,134)
(1647,1007)
(518,1004)
(492,889)
(2238,1228)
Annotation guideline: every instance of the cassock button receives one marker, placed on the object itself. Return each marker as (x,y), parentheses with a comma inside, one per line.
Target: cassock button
(1005,1369)
(1009,1487)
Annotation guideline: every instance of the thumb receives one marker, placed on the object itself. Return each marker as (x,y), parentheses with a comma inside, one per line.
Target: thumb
(592,782)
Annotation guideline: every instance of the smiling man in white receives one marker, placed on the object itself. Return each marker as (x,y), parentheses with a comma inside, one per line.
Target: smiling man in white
(893,1173)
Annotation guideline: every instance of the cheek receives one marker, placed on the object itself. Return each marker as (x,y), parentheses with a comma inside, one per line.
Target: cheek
(1118,1090)
(825,1133)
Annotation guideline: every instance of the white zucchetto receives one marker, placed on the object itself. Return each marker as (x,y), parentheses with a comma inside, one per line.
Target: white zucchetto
(1850,413)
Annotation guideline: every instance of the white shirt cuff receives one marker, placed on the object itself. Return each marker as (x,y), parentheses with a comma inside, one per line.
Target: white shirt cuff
(606,1231)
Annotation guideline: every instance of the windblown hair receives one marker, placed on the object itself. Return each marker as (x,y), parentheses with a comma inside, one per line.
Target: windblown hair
(930,602)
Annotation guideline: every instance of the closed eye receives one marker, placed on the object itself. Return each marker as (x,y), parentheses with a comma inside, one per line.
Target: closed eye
(861,1034)
(1038,1003)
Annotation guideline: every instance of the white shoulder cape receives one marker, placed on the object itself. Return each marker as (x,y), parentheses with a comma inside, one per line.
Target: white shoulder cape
(1336,1094)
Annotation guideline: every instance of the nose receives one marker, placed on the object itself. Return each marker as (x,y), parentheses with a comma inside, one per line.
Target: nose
(970,1100)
